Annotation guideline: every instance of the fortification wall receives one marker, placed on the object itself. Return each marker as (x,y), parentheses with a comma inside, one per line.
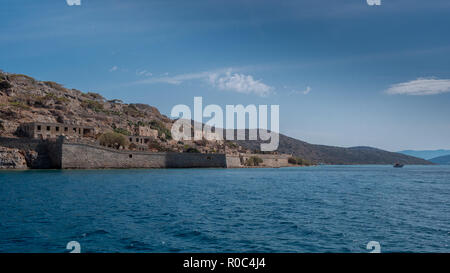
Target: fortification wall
(45,154)
(36,151)
(84,156)
(233,161)
(269,160)
(20,143)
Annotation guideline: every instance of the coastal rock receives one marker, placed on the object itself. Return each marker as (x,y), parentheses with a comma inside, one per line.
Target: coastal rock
(12,159)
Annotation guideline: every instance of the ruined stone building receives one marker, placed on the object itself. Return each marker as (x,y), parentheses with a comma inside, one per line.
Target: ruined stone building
(146,131)
(41,130)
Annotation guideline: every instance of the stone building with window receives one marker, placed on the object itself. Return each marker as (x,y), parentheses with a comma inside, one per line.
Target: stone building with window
(146,131)
(140,142)
(42,130)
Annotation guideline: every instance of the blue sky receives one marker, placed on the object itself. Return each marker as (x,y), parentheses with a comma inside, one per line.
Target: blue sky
(344,73)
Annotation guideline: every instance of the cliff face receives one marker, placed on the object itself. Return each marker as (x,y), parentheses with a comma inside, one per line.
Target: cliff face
(12,159)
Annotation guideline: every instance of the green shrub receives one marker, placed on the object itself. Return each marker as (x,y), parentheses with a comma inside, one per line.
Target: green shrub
(155,145)
(16,76)
(4,85)
(202,142)
(132,146)
(96,96)
(93,96)
(112,139)
(122,131)
(131,110)
(299,161)
(19,104)
(50,96)
(94,105)
(191,150)
(231,144)
(54,85)
(253,161)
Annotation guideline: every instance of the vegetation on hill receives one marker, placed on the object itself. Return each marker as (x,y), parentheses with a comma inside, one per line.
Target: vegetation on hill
(299,161)
(253,161)
(191,150)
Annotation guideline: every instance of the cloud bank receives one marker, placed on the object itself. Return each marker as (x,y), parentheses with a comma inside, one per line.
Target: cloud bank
(420,87)
(222,80)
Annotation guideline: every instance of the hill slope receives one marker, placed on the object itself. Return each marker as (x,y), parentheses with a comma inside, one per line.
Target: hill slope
(337,155)
(441,160)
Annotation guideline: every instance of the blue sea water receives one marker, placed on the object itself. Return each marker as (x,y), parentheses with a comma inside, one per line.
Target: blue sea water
(314,209)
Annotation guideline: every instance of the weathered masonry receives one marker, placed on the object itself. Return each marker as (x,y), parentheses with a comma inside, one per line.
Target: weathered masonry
(71,155)
(42,130)
(62,153)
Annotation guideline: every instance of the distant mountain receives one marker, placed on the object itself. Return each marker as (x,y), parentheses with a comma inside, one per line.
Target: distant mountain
(426,154)
(337,155)
(441,160)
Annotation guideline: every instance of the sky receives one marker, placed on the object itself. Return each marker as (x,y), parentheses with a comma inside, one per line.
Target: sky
(344,73)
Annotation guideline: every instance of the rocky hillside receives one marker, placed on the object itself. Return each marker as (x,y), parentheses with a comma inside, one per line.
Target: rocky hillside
(24,99)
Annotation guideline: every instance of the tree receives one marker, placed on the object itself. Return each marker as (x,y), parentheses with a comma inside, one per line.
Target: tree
(114,140)
(253,161)
(299,161)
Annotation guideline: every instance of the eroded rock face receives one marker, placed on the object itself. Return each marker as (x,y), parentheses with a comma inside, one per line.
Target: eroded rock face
(12,159)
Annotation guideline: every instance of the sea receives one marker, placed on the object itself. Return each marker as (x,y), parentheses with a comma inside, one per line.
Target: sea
(338,209)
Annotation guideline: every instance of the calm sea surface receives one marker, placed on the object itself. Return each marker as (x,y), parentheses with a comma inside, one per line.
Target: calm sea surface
(316,209)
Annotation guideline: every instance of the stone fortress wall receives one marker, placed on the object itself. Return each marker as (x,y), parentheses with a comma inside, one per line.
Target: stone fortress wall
(86,156)
(64,154)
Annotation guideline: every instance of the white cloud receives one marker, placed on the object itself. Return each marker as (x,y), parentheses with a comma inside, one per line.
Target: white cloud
(114,68)
(144,73)
(221,79)
(304,92)
(176,80)
(240,83)
(420,87)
